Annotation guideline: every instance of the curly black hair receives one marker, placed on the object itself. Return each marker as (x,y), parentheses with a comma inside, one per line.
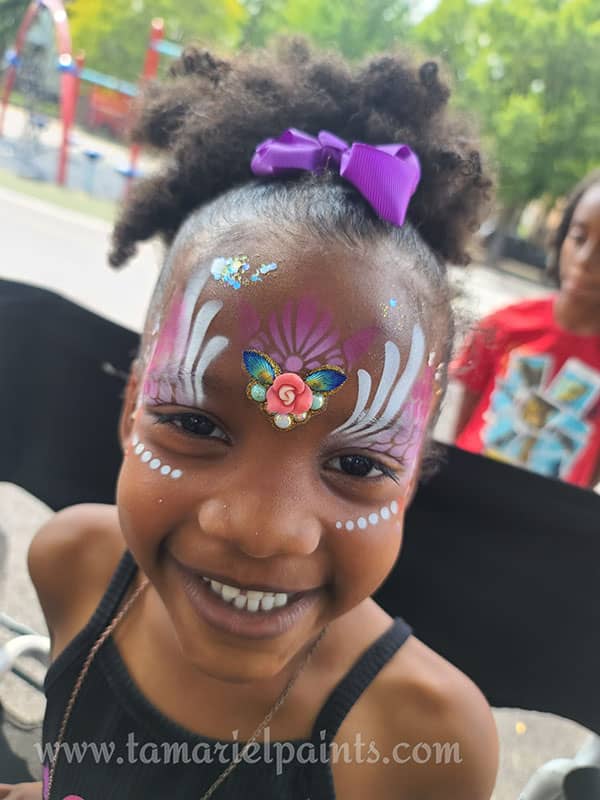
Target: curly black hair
(562,229)
(212,114)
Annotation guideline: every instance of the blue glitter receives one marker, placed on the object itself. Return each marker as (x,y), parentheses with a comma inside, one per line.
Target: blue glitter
(393,303)
(232,271)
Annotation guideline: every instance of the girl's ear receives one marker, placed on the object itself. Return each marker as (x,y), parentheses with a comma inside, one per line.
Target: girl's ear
(128,409)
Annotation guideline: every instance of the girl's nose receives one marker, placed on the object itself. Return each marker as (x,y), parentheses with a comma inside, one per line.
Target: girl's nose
(261,527)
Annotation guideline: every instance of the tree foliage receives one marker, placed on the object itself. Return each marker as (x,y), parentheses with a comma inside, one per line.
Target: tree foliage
(529,70)
(114,33)
(354,29)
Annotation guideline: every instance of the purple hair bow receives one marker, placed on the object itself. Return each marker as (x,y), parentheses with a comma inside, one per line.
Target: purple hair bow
(386,175)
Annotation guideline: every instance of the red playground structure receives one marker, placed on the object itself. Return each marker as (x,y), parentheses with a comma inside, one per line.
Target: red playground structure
(111,97)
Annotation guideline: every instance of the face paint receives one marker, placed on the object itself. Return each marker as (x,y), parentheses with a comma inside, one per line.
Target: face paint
(235,272)
(155,464)
(368,420)
(303,337)
(374,518)
(182,351)
(402,440)
(287,398)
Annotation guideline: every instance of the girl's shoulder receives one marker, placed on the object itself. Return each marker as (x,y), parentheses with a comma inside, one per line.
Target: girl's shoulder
(430,730)
(71,561)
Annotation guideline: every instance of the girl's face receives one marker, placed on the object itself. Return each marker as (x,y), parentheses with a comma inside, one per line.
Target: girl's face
(580,253)
(276,442)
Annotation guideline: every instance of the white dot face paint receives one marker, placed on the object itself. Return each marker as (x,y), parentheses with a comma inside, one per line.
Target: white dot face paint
(155,464)
(362,523)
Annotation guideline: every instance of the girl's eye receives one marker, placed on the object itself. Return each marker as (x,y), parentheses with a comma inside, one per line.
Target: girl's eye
(361,467)
(578,237)
(195,424)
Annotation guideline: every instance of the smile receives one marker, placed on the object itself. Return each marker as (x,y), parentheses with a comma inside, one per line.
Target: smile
(249,600)
(244,611)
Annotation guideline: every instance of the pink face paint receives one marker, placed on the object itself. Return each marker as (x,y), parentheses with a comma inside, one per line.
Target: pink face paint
(183,349)
(303,337)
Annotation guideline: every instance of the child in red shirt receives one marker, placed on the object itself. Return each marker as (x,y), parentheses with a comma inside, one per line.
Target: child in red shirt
(531,371)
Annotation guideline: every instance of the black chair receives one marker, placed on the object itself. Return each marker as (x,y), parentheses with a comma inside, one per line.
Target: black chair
(62,374)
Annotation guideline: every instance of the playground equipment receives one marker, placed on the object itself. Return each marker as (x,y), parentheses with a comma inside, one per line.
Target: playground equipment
(68,67)
(72,71)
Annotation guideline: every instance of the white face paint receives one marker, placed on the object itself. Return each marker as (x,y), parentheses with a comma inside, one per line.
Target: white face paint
(183,352)
(367,420)
(147,457)
(374,518)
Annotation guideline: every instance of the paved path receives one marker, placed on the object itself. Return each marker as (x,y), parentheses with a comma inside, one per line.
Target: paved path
(66,252)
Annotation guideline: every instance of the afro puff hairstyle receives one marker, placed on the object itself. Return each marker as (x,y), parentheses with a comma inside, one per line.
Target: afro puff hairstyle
(210,116)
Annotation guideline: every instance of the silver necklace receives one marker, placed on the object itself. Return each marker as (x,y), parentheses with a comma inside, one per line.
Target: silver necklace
(110,628)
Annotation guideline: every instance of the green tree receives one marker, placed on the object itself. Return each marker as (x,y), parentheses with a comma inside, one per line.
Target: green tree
(354,29)
(114,33)
(529,71)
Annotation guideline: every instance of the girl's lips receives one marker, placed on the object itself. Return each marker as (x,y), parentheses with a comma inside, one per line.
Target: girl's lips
(240,622)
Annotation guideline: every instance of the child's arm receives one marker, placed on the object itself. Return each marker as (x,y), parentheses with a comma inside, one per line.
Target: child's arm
(435,727)
(71,560)
(21,791)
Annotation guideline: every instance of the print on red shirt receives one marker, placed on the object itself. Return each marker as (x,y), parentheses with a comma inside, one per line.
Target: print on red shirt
(540,424)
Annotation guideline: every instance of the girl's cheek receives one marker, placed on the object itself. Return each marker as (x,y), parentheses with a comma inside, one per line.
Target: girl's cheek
(365,549)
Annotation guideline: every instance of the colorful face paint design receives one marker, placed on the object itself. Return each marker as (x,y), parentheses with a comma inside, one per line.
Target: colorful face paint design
(374,518)
(303,337)
(155,464)
(402,440)
(183,352)
(392,392)
(287,398)
(235,272)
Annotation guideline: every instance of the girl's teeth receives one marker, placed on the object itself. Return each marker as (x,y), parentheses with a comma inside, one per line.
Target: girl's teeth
(251,600)
(229,593)
(267,603)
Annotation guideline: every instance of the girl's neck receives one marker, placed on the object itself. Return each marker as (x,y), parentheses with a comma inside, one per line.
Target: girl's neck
(577,316)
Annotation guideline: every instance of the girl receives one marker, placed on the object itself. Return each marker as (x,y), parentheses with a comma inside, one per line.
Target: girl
(531,371)
(214,632)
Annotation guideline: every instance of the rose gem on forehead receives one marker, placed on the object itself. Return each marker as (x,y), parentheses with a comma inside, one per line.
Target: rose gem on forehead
(289,395)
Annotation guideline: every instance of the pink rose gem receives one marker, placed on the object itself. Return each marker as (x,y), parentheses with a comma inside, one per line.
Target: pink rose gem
(289,395)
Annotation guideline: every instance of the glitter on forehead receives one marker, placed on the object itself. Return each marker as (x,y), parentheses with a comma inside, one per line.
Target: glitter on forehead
(235,271)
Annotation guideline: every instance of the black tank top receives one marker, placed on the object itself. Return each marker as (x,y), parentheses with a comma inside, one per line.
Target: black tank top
(148,756)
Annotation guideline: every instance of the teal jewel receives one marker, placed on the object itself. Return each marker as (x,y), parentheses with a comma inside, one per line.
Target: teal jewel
(258,392)
(318,402)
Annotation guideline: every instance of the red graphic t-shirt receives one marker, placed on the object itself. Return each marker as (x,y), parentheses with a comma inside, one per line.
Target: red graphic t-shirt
(540,392)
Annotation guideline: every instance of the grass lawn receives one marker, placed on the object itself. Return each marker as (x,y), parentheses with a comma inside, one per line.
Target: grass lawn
(66,198)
